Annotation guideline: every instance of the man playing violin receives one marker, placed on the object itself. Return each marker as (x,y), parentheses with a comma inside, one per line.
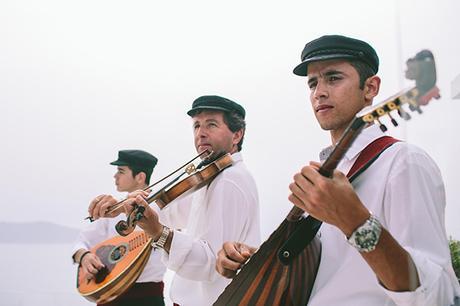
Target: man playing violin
(134,169)
(225,209)
(383,238)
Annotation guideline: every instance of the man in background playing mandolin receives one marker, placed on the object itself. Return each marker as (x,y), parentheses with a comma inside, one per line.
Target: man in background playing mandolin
(134,169)
(227,208)
(383,238)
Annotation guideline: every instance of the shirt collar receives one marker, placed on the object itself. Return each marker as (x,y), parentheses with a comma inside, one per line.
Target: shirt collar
(237,156)
(366,136)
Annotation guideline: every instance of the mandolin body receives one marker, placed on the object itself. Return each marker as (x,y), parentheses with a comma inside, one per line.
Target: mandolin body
(124,258)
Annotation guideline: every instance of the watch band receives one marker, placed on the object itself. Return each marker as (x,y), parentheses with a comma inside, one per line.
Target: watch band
(366,236)
(160,243)
(81,257)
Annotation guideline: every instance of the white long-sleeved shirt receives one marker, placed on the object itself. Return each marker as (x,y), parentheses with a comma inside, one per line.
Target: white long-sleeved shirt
(103,229)
(403,188)
(226,210)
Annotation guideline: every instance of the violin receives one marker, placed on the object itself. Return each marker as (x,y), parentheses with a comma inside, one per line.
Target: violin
(189,169)
(197,179)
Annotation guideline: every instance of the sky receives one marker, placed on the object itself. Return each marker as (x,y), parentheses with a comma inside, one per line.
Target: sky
(80,80)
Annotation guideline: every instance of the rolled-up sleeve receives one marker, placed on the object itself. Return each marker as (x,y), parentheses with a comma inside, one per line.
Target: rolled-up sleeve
(91,235)
(414,209)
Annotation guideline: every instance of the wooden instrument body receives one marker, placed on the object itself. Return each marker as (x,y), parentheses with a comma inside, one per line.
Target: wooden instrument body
(177,189)
(124,258)
(191,183)
(265,281)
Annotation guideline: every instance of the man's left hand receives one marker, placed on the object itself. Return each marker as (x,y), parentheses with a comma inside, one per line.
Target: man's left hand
(331,200)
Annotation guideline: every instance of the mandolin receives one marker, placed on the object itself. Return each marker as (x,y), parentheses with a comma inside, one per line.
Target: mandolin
(124,259)
(283,270)
(125,256)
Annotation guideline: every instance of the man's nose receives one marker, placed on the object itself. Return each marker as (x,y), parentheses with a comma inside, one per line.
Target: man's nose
(201,132)
(320,90)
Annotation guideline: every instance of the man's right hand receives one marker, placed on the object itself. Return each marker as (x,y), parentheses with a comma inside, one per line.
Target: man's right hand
(232,257)
(101,204)
(91,264)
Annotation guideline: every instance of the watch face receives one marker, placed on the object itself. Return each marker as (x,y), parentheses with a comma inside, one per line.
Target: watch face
(366,239)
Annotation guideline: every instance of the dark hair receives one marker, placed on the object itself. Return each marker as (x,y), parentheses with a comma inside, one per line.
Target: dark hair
(137,170)
(235,122)
(364,71)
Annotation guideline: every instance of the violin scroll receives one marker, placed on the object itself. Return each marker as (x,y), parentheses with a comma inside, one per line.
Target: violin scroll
(124,228)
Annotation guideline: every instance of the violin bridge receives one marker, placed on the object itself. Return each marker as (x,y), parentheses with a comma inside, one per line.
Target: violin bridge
(190,169)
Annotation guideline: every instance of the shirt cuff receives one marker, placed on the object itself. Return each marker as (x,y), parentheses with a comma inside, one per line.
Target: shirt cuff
(181,245)
(428,274)
(75,249)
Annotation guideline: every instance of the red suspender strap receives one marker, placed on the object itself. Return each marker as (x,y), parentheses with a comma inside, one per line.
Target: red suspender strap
(369,155)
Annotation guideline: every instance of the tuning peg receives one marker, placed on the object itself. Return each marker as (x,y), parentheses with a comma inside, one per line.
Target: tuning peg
(382,126)
(414,107)
(403,114)
(393,120)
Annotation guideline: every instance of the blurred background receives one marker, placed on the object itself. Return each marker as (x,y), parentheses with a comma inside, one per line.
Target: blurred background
(80,80)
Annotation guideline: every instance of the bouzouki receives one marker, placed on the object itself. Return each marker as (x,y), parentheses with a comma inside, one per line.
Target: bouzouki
(125,256)
(283,270)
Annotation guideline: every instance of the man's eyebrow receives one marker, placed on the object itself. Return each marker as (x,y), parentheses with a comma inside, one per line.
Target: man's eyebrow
(211,120)
(312,79)
(206,121)
(333,72)
(327,73)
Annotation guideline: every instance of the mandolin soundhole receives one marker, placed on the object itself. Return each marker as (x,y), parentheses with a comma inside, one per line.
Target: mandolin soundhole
(118,252)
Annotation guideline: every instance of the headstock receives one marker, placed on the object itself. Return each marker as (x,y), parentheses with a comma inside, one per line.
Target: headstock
(420,68)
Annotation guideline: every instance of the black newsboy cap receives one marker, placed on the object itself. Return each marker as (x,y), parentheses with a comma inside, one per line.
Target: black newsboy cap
(136,158)
(335,47)
(216,103)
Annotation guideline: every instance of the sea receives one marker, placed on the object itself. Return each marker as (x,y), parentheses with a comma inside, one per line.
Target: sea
(42,275)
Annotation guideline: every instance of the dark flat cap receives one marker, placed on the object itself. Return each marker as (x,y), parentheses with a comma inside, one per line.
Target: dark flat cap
(335,47)
(216,103)
(136,158)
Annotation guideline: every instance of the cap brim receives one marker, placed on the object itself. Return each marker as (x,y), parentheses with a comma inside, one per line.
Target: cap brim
(301,69)
(119,163)
(196,109)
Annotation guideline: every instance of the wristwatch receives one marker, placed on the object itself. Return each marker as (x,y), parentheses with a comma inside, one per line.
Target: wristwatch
(366,236)
(160,243)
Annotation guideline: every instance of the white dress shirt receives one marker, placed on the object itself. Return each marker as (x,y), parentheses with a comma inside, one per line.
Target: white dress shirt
(225,210)
(103,229)
(403,188)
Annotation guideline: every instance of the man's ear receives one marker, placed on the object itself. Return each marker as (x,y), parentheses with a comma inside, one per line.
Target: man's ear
(140,177)
(371,88)
(237,136)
